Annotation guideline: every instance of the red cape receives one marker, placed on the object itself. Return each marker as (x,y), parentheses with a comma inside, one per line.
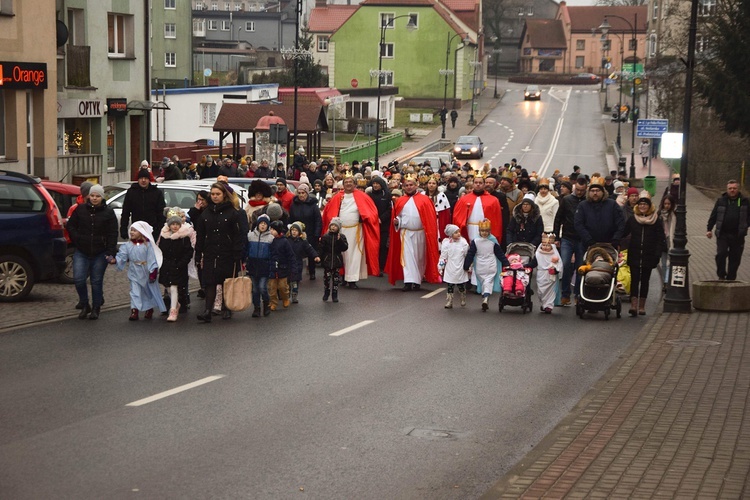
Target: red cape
(432,253)
(492,211)
(368,214)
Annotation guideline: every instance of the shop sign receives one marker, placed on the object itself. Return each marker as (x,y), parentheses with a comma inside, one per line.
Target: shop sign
(20,75)
(117,107)
(80,108)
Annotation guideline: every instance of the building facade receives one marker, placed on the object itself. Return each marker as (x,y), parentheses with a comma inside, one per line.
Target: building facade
(171,43)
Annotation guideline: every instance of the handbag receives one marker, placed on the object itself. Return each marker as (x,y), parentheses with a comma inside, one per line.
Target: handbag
(237,292)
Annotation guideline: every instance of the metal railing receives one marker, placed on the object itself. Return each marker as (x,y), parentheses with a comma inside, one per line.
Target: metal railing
(76,164)
(366,150)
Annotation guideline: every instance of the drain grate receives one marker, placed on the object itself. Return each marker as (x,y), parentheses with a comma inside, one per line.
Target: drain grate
(693,343)
(434,433)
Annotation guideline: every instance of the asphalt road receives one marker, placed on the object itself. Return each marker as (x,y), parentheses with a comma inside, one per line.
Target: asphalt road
(406,400)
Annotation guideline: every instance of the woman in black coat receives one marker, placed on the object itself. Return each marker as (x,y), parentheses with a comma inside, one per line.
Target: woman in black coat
(647,241)
(305,209)
(381,196)
(526,224)
(221,235)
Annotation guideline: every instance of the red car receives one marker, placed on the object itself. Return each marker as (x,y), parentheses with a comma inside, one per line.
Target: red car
(65,196)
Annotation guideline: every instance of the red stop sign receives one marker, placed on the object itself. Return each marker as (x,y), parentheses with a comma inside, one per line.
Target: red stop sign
(354,83)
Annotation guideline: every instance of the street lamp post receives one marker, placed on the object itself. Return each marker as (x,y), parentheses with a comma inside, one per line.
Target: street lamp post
(496,54)
(604,27)
(677,298)
(384,25)
(445,72)
(475,63)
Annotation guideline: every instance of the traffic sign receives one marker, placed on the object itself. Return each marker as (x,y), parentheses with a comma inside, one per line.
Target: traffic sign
(651,128)
(354,83)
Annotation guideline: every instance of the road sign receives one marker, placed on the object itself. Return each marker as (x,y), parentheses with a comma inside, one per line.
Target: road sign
(338,99)
(671,145)
(651,128)
(354,83)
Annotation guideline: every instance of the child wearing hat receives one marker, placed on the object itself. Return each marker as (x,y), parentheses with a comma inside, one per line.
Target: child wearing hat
(175,242)
(259,262)
(332,246)
(302,248)
(453,252)
(483,254)
(549,265)
(282,261)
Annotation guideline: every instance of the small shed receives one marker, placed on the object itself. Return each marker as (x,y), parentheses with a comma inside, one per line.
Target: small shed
(235,119)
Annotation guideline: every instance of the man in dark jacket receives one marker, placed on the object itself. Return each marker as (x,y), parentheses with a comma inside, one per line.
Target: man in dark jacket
(305,209)
(599,219)
(381,196)
(731,220)
(569,241)
(263,172)
(145,202)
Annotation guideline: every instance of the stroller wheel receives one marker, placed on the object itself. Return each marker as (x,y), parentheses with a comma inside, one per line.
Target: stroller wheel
(606,315)
(579,310)
(618,307)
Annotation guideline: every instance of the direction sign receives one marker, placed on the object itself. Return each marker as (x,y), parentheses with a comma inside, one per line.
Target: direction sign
(651,128)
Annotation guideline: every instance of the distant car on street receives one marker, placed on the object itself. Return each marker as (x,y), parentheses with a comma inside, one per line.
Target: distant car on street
(586,78)
(531,93)
(468,146)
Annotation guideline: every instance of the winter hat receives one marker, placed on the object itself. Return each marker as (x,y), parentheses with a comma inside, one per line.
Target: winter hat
(281,180)
(278,226)
(299,226)
(303,187)
(264,218)
(450,229)
(336,221)
(174,215)
(632,191)
(209,159)
(144,164)
(618,185)
(274,211)
(85,188)
(143,173)
(165,162)
(528,198)
(567,184)
(303,178)
(97,189)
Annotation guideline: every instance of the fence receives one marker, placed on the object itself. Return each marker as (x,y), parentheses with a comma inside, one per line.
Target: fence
(365,150)
(70,165)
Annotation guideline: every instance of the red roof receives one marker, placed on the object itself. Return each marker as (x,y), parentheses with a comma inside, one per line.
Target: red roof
(584,19)
(330,18)
(311,95)
(398,2)
(236,117)
(461,5)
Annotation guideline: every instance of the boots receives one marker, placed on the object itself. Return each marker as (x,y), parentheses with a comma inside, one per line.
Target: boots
(133,315)
(85,310)
(172,315)
(449,301)
(266,308)
(205,316)
(485,304)
(463,298)
(335,296)
(326,294)
(149,314)
(256,312)
(642,306)
(95,313)
(633,311)
(294,298)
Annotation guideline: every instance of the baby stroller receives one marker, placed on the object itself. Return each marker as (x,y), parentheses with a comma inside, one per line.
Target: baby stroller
(516,283)
(599,281)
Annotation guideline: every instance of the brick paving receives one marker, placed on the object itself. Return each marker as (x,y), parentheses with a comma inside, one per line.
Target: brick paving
(669,420)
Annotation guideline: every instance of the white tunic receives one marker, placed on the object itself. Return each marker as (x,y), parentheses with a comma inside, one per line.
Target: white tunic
(545,282)
(355,265)
(453,253)
(475,217)
(412,236)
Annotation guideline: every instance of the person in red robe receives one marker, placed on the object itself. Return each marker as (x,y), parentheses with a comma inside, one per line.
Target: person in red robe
(467,214)
(360,225)
(413,252)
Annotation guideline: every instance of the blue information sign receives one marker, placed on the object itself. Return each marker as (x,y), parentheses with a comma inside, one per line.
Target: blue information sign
(652,129)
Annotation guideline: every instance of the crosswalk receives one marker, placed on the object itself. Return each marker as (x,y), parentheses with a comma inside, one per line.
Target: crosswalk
(573,91)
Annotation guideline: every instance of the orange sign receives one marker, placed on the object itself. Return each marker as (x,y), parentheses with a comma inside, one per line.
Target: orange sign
(19,75)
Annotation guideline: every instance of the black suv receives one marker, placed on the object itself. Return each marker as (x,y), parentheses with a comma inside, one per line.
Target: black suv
(32,243)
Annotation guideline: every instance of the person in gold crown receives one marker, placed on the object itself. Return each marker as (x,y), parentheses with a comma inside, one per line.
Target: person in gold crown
(360,226)
(476,206)
(413,251)
(549,265)
(484,252)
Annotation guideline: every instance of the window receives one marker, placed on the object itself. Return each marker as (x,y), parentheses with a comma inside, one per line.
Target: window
(655,13)
(120,35)
(322,43)
(227,6)
(208,114)
(701,43)
(213,25)
(170,61)
(706,7)
(386,19)
(357,109)
(170,30)
(521,11)
(214,5)
(386,77)
(237,7)
(226,26)
(386,50)
(413,20)
(76,31)
(580,44)
(633,44)
(529,10)
(170,4)
(606,44)
(199,5)
(250,26)
(579,62)
(6,7)
(199,27)
(652,43)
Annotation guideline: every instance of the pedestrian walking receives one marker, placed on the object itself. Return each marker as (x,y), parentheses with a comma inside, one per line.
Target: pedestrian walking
(549,266)
(483,256)
(175,242)
(454,116)
(645,151)
(282,262)
(730,218)
(258,264)
(333,244)
(143,202)
(302,248)
(669,219)
(453,250)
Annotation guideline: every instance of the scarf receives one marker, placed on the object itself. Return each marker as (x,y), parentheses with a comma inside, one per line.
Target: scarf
(649,219)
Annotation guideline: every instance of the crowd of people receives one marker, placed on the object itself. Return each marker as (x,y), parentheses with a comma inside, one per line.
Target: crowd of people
(413,222)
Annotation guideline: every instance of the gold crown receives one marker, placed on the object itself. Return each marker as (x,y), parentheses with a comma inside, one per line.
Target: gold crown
(485,225)
(173,213)
(362,182)
(479,173)
(423,179)
(348,174)
(410,177)
(548,238)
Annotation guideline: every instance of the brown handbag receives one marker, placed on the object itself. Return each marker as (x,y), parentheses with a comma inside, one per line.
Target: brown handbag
(238,292)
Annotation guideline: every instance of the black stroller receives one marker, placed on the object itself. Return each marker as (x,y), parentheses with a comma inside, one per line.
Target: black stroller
(599,281)
(512,279)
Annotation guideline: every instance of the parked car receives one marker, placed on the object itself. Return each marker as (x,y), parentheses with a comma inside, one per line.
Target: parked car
(246,181)
(65,196)
(32,243)
(468,146)
(532,93)
(435,158)
(586,78)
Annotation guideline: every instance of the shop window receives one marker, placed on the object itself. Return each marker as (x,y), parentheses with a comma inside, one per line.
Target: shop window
(120,35)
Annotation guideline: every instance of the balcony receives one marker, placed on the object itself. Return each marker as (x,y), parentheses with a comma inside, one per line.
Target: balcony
(77,164)
(79,66)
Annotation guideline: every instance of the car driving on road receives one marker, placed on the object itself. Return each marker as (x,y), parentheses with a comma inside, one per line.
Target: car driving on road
(532,92)
(468,146)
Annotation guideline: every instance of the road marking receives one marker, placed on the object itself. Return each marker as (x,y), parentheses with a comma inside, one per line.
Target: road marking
(174,391)
(351,328)
(432,294)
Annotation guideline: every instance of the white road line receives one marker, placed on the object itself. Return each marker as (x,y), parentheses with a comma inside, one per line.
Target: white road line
(432,294)
(174,391)
(351,328)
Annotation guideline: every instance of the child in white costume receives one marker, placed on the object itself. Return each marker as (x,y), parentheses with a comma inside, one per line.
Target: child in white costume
(549,265)
(453,251)
(487,253)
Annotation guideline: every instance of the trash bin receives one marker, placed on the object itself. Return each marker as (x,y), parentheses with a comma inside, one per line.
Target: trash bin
(649,184)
